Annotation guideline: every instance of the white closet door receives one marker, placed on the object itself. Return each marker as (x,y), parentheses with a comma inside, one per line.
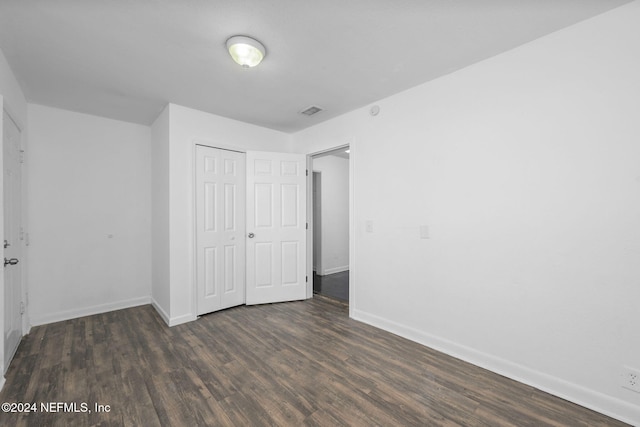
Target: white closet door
(220,234)
(276,227)
(12,243)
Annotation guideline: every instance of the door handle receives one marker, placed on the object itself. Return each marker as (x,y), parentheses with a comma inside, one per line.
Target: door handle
(251,235)
(12,261)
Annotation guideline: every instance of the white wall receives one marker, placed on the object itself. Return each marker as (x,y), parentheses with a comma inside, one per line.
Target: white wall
(160,214)
(13,101)
(90,208)
(188,126)
(334,216)
(525,168)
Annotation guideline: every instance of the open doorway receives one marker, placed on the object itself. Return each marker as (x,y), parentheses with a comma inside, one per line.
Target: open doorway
(330,186)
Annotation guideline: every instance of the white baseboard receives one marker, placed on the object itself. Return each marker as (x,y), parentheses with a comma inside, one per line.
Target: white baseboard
(172,321)
(582,396)
(43,319)
(160,311)
(334,270)
(179,320)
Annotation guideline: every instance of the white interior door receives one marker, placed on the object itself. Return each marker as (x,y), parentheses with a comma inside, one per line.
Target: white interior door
(276,227)
(220,233)
(12,242)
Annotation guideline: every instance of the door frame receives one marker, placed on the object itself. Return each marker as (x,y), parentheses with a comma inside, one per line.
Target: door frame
(316,184)
(352,265)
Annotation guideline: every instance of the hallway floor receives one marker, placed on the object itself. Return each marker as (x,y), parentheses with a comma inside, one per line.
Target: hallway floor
(332,285)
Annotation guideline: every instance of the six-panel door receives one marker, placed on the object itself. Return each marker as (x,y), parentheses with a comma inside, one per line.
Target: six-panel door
(276,227)
(220,228)
(12,244)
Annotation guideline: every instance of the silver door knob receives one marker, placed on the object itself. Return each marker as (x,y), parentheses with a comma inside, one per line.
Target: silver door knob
(251,235)
(12,261)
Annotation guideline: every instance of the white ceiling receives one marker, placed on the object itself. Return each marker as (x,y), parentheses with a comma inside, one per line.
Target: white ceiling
(125,59)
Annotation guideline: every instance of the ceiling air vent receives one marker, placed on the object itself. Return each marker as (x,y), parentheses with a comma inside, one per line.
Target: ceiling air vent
(310,111)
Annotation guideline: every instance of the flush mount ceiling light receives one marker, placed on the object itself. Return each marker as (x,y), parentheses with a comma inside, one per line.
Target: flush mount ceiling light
(245,51)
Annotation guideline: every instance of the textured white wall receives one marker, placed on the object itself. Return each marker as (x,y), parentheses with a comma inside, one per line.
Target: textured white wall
(335,213)
(89,178)
(525,168)
(160,214)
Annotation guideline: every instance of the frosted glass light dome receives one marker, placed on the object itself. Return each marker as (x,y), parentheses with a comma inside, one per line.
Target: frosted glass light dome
(245,50)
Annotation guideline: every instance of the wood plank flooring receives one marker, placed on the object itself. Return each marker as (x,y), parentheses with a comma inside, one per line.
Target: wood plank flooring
(289,364)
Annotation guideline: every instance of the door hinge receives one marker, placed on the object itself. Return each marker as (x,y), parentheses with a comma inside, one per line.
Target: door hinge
(306,278)
(21,233)
(21,156)
(307,226)
(307,172)
(21,308)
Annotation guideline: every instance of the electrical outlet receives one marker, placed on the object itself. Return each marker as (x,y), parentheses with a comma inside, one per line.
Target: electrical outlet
(631,379)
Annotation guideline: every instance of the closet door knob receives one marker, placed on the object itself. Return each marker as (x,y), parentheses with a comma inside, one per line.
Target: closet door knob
(12,261)
(251,235)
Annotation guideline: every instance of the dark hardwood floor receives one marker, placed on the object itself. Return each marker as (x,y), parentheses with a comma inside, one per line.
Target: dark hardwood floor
(289,364)
(332,285)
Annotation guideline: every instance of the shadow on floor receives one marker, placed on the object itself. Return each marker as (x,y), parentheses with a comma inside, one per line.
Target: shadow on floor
(332,285)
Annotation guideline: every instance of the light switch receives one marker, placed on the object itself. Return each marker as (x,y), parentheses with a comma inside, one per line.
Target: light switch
(368,226)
